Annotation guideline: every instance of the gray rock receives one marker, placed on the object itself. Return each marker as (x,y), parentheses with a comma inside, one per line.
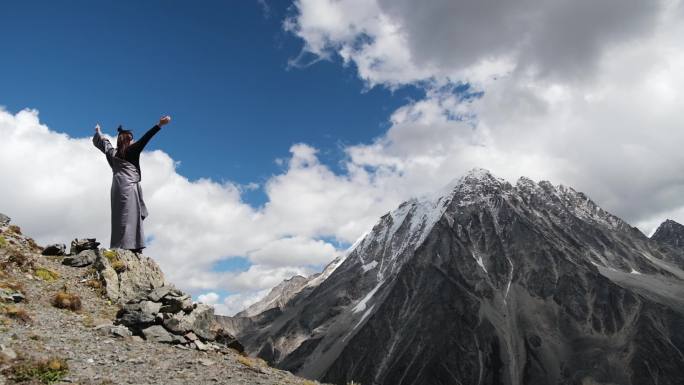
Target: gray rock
(157,294)
(200,321)
(140,277)
(175,304)
(8,295)
(200,345)
(8,353)
(138,315)
(78,245)
(114,330)
(4,219)
(157,333)
(150,307)
(56,249)
(82,259)
(191,336)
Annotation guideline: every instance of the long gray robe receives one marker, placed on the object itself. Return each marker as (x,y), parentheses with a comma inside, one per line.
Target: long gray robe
(128,207)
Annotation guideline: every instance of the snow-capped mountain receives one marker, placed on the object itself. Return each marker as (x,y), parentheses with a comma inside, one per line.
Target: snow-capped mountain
(485,283)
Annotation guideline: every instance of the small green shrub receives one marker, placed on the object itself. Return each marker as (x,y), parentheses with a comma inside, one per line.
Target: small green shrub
(49,371)
(117,264)
(45,274)
(3,242)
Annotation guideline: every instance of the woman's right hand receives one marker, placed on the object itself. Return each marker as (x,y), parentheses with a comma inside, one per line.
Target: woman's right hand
(164,120)
(97,129)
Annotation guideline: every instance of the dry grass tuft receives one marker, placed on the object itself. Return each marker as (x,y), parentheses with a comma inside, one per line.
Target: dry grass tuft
(3,241)
(45,274)
(33,245)
(13,285)
(97,286)
(64,300)
(94,283)
(88,321)
(19,259)
(15,229)
(16,313)
(248,362)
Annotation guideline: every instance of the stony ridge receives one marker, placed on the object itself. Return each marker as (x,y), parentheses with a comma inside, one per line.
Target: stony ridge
(93,345)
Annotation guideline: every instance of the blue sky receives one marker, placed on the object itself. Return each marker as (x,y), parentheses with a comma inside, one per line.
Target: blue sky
(219,69)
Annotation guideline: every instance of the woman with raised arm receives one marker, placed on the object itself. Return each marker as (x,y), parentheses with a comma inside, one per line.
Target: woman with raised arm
(128,207)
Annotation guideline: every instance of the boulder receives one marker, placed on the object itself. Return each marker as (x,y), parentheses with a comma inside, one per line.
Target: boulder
(174,304)
(114,330)
(138,315)
(78,245)
(200,345)
(9,295)
(56,249)
(126,276)
(4,219)
(157,294)
(200,321)
(157,333)
(82,259)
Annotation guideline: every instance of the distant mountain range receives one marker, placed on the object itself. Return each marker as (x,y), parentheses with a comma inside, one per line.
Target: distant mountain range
(485,283)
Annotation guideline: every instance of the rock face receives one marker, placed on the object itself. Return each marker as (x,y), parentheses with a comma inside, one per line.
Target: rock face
(277,297)
(486,283)
(4,219)
(127,276)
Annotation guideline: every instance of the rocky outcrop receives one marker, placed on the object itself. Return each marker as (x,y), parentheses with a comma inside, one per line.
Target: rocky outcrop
(40,343)
(127,276)
(152,308)
(4,219)
(486,283)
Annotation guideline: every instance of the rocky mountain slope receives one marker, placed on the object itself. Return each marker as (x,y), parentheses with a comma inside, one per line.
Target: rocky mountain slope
(100,316)
(277,297)
(486,283)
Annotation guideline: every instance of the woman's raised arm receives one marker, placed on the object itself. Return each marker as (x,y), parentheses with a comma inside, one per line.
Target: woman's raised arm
(102,143)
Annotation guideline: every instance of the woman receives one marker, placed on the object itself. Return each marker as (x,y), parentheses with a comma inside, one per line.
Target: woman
(128,207)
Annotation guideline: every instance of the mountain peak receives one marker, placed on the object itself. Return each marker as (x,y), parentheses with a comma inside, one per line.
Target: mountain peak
(670,233)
